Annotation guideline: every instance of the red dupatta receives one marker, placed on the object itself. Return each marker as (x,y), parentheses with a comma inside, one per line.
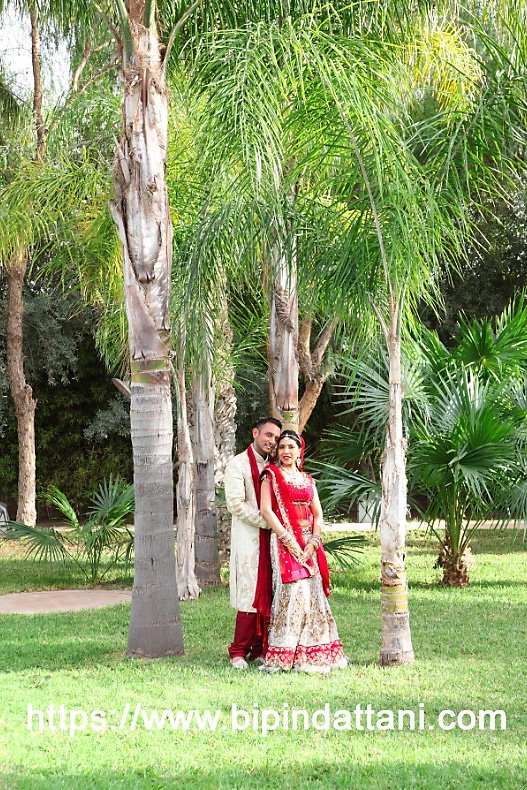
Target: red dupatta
(290,569)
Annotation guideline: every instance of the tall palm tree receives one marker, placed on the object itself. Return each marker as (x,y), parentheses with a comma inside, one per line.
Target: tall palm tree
(245,124)
(140,211)
(402,185)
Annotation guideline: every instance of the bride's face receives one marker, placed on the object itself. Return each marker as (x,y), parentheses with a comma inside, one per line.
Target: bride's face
(288,452)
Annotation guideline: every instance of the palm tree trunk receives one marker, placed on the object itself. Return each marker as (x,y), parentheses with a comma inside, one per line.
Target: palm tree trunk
(456,560)
(36,60)
(155,627)
(283,340)
(224,427)
(141,213)
(225,405)
(207,557)
(21,392)
(455,569)
(396,641)
(188,587)
(225,400)
(311,365)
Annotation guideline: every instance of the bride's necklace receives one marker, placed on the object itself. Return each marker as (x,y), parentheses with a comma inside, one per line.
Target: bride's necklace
(293,476)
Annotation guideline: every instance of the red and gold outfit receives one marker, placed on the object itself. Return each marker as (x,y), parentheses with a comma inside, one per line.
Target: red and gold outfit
(302,632)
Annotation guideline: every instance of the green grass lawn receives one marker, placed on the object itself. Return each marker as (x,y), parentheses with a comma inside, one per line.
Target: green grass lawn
(470,648)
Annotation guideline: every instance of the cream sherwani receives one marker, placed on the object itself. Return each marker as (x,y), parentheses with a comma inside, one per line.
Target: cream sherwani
(245,531)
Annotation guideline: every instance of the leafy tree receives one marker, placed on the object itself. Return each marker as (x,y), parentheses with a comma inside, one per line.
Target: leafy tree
(21,232)
(76,418)
(494,271)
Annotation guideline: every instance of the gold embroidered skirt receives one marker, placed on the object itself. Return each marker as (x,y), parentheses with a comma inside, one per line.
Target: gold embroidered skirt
(302,633)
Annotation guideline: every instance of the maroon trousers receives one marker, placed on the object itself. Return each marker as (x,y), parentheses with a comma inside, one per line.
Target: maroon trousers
(246,639)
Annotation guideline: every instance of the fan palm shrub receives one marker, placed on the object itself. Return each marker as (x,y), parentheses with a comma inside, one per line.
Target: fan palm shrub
(103,539)
(465,421)
(463,457)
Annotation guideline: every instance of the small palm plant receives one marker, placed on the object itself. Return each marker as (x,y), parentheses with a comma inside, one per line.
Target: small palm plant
(463,455)
(103,538)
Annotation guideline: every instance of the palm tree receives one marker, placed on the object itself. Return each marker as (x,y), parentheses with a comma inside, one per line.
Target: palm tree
(463,454)
(468,432)
(188,585)
(403,189)
(245,124)
(140,210)
(87,545)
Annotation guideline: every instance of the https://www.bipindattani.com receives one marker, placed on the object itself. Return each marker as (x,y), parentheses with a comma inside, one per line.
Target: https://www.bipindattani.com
(360,717)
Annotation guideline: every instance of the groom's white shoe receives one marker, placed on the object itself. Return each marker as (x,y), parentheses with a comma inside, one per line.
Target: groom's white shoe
(239,663)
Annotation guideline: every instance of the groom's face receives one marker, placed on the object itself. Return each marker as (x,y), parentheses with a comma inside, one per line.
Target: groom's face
(265,438)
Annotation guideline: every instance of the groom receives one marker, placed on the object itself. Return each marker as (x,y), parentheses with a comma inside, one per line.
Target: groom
(242,488)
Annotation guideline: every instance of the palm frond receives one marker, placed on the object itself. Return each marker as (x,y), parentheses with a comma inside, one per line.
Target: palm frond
(346,551)
(42,543)
(338,486)
(54,496)
(111,503)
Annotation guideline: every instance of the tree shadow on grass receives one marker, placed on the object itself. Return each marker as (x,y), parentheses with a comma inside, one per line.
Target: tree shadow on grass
(320,774)
(456,620)
(488,583)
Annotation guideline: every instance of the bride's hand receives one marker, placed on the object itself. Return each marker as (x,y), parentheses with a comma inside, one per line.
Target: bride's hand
(308,552)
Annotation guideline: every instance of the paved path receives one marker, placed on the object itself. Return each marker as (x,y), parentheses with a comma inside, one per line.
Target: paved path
(61,600)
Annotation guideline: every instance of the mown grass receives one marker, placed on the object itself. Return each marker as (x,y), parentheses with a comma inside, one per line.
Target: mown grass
(470,654)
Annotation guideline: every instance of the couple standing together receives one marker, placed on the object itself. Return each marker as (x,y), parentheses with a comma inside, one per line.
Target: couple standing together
(279,579)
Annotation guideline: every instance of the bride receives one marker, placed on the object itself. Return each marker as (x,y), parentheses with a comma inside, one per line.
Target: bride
(302,631)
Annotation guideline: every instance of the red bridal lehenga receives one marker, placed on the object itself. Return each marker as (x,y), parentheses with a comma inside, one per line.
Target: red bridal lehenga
(302,631)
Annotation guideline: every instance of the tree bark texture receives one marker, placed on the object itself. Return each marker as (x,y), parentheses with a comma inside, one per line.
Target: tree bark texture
(206,544)
(21,392)
(188,587)
(312,367)
(456,567)
(141,213)
(396,642)
(36,59)
(225,400)
(283,340)
(224,429)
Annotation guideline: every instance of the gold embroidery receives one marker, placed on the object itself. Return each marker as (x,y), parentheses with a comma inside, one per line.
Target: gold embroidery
(281,506)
